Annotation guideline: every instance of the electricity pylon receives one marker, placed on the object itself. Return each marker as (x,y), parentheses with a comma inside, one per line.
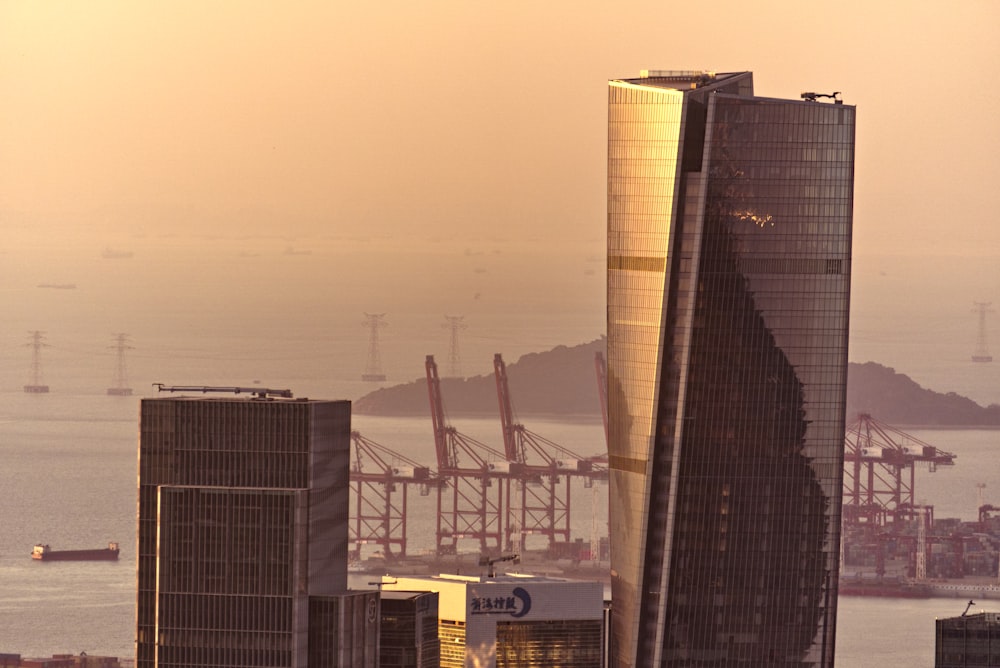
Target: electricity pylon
(373,370)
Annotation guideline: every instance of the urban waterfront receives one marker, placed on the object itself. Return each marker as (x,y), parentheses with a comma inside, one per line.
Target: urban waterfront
(69,475)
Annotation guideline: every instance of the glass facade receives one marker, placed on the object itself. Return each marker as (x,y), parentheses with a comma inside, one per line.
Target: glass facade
(408,635)
(572,643)
(343,630)
(451,635)
(242,517)
(972,640)
(729,239)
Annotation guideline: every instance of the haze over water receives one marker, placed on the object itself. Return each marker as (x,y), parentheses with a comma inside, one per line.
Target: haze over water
(207,172)
(235,184)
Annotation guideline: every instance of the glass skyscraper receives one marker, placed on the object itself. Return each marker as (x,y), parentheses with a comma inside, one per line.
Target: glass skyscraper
(729,257)
(242,535)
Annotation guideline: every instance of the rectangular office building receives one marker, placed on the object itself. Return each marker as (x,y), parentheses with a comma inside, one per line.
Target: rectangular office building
(408,636)
(729,257)
(513,620)
(242,522)
(967,640)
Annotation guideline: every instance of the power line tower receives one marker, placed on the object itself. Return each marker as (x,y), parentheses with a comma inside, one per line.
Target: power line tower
(373,370)
(120,386)
(455,324)
(981,353)
(36,345)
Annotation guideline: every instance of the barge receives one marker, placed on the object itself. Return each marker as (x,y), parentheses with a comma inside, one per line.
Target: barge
(46,553)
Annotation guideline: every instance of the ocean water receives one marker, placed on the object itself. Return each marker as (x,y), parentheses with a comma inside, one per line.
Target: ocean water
(68,478)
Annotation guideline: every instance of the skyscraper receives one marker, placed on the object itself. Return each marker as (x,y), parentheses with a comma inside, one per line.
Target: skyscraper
(729,254)
(242,531)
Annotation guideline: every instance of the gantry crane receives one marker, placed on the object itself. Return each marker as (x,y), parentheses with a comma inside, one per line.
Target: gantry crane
(380,480)
(477,508)
(546,471)
(879,508)
(879,472)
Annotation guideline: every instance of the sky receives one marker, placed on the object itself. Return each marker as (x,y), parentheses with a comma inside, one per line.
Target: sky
(448,156)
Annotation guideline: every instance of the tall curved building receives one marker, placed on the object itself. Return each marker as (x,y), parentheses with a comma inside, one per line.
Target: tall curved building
(729,257)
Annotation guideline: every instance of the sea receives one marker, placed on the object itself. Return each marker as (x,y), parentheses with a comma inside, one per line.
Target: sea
(68,458)
(68,478)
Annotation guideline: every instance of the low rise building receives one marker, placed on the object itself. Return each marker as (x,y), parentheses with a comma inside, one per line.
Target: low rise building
(408,637)
(514,620)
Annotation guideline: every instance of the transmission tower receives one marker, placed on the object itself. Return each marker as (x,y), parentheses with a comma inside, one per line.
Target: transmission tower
(981,353)
(36,345)
(120,387)
(373,370)
(455,324)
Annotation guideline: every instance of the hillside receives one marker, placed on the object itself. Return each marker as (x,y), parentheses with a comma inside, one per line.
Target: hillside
(563,381)
(895,398)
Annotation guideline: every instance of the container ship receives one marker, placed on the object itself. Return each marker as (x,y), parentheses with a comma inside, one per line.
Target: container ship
(46,553)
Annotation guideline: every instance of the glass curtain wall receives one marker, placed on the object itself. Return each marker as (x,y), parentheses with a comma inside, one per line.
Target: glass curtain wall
(727,378)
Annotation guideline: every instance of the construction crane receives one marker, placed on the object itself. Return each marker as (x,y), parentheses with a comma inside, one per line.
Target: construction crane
(380,480)
(490,564)
(546,470)
(478,505)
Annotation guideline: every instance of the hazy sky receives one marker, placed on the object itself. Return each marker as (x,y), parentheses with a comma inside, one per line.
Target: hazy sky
(392,136)
(468,119)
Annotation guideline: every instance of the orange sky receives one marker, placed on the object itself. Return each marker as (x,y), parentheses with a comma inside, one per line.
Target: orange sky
(476,131)
(454,118)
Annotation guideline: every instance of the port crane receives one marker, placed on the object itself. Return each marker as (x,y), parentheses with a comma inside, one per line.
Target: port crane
(475,506)
(545,472)
(879,472)
(380,482)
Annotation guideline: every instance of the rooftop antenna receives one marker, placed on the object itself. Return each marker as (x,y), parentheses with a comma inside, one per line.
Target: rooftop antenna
(120,387)
(36,345)
(455,324)
(981,353)
(373,369)
(971,603)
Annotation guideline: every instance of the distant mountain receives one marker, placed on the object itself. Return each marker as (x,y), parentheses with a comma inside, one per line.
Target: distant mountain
(894,398)
(563,381)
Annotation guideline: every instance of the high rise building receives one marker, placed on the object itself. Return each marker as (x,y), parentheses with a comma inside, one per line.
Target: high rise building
(729,255)
(967,640)
(242,536)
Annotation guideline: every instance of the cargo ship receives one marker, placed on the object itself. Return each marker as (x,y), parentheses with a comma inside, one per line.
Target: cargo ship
(45,553)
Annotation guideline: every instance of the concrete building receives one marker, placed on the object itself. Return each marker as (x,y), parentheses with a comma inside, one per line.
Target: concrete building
(513,620)
(729,263)
(242,533)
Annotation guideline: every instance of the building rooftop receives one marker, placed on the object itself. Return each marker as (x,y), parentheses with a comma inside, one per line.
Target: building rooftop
(682,79)
(453,578)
